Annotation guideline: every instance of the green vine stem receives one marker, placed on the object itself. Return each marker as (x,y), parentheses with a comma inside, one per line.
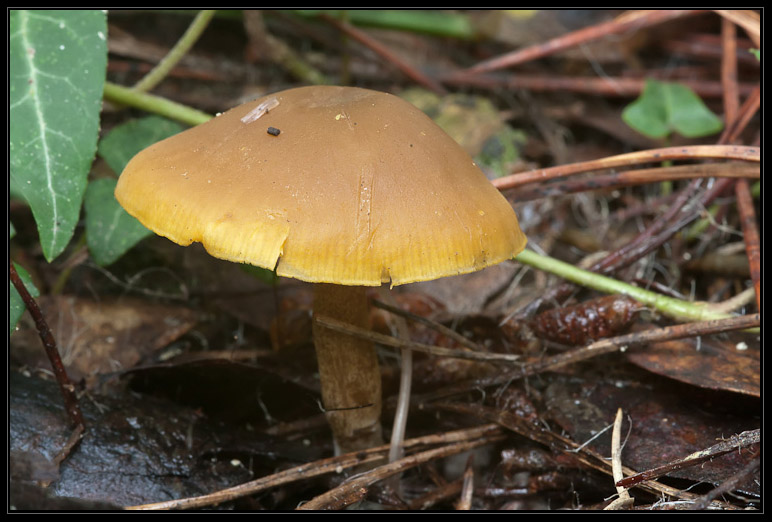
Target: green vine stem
(669,306)
(155,104)
(176,53)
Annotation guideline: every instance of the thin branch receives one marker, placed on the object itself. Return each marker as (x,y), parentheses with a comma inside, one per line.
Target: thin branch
(387,340)
(629,178)
(638,21)
(355,489)
(49,343)
(183,45)
(386,53)
(734,152)
(602,347)
(734,443)
(320,467)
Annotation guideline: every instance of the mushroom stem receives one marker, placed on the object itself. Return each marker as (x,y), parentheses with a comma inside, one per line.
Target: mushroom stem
(348,369)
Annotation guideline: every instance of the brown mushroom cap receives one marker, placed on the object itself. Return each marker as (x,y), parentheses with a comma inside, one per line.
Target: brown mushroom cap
(359,188)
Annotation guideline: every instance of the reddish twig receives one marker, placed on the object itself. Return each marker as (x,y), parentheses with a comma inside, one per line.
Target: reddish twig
(49,343)
(635,177)
(750,235)
(729,69)
(742,190)
(633,158)
(386,53)
(604,86)
(747,111)
(642,20)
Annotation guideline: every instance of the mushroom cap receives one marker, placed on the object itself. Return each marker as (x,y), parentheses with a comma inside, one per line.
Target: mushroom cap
(359,188)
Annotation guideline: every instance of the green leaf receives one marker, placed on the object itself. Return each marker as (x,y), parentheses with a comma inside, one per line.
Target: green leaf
(124,141)
(15,304)
(57,63)
(666,107)
(110,231)
(433,22)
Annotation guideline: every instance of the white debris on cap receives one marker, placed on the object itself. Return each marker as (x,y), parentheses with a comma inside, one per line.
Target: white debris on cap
(257,112)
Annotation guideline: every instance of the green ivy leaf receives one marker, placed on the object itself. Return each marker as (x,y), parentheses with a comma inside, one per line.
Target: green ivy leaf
(16,306)
(666,107)
(124,141)
(110,231)
(57,64)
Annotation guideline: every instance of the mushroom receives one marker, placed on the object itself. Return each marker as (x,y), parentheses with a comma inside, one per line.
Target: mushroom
(359,189)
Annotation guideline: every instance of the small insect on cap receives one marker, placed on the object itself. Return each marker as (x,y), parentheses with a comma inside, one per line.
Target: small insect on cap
(359,188)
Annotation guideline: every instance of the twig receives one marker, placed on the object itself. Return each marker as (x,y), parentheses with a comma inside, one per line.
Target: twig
(355,489)
(629,178)
(261,41)
(735,152)
(320,467)
(176,53)
(49,343)
(747,111)
(606,86)
(441,493)
(624,501)
(582,454)
(386,340)
(750,234)
(728,485)
(734,443)
(644,19)
(385,53)
(467,488)
(441,328)
(729,69)
(604,346)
